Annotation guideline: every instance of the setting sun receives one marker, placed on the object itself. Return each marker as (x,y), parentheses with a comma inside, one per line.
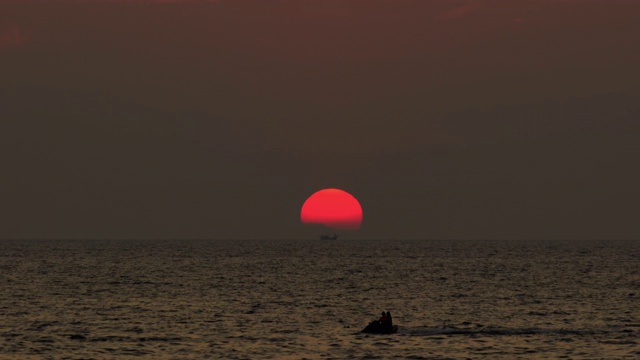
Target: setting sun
(332,208)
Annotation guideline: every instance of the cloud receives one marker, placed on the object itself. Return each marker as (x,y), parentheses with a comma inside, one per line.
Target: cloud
(11,37)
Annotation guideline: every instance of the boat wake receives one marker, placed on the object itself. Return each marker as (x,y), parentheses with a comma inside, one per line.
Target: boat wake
(502,331)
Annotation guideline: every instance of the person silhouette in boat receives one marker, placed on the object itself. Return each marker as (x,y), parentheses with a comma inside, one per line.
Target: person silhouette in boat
(383,319)
(389,323)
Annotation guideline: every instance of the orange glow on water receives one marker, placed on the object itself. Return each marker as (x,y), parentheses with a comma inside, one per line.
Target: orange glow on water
(332,208)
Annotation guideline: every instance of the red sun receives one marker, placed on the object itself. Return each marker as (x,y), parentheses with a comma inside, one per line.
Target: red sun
(332,208)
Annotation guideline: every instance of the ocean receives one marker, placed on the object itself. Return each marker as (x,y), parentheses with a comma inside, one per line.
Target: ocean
(250,299)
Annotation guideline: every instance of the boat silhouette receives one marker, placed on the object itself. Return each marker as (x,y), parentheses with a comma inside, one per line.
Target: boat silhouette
(329,237)
(375,327)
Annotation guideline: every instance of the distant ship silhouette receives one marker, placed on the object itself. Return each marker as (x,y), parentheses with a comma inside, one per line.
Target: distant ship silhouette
(328,237)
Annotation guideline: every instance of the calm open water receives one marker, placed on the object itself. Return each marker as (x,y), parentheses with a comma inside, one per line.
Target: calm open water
(308,299)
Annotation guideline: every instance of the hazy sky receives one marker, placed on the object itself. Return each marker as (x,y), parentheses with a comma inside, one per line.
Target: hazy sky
(446,119)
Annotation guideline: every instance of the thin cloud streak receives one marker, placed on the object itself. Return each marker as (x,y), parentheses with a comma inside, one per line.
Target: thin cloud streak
(460,11)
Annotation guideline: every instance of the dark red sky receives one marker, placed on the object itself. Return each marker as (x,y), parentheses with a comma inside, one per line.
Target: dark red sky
(446,119)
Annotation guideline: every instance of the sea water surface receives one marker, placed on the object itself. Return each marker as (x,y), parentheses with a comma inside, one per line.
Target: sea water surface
(187,299)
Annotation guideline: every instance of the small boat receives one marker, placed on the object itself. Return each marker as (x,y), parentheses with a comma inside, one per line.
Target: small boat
(328,237)
(375,327)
